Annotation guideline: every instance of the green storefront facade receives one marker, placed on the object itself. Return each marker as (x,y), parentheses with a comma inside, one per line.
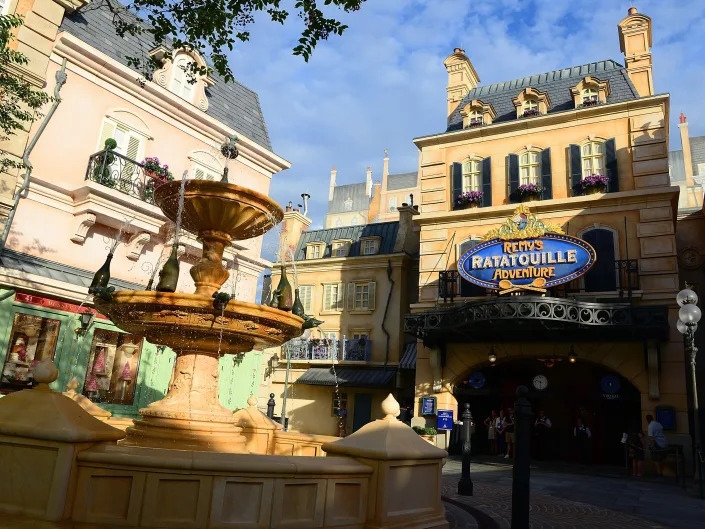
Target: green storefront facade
(117,372)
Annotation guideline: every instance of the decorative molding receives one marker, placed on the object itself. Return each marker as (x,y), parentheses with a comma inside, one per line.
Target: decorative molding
(528,93)
(85,222)
(601,87)
(136,244)
(71,5)
(486,109)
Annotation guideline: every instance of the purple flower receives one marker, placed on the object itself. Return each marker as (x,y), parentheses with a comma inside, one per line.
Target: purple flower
(594,180)
(529,189)
(470,197)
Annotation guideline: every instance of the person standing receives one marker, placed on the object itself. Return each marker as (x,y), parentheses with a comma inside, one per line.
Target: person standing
(509,432)
(583,437)
(657,443)
(499,426)
(542,429)
(635,451)
(491,423)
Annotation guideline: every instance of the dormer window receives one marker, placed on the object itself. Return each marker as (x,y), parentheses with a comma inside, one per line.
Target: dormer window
(475,118)
(590,92)
(589,96)
(531,108)
(177,77)
(370,246)
(476,113)
(315,250)
(531,102)
(340,248)
(181,83)
(348,204)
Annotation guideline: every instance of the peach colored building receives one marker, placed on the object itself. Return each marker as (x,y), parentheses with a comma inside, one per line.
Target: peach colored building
(79,202)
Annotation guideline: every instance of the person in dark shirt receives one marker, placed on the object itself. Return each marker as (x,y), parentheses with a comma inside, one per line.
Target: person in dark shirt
(542,433)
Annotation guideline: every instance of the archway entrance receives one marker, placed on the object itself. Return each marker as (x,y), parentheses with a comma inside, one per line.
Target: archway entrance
(608,403)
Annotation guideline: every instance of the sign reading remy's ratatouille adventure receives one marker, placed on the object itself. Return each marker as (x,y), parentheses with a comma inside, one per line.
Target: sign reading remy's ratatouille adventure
(526,254)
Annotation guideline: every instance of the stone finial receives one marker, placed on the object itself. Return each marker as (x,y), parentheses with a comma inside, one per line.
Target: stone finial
(632,11)
(390,408)
(252,401)
(45,372)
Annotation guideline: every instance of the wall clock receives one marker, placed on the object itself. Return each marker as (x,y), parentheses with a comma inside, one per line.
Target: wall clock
(540,382)
(477,380)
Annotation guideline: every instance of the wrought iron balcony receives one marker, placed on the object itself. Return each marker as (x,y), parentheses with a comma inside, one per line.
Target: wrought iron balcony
(328,350)
(123,174)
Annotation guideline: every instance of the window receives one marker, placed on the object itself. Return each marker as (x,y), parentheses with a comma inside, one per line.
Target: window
(472,175)
(129,143)
(355,221)
(393,204)
(348,204)
(361,296)
(340,402)
(593,158)
(602,277)
(201,172)
(531,107)
(4,6)
(338,223)
(111,376)
(333,297)
(530,168)
(357,335)
(181,84)
(589,96)
(340,248)
(32,340)
(315,251)
(369,246)
(475,118)
(306,295)
(330,335)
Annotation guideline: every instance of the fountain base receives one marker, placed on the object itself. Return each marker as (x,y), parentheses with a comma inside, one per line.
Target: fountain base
(190,417)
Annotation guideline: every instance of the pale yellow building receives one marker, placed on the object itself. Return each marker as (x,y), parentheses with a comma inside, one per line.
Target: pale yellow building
(616,323)
(359,281)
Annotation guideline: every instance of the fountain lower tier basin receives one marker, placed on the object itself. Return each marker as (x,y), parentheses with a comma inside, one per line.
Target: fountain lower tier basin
(218,206)
(189,323)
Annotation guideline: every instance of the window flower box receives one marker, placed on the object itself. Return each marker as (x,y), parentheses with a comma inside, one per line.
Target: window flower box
(531,112)
(469,199)
(590,101)
(529,192)
(157,175)
(595,183)
(476,122)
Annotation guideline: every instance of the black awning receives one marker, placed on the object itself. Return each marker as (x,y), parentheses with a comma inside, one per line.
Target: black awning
(534,318)
(408,361)
(346,376)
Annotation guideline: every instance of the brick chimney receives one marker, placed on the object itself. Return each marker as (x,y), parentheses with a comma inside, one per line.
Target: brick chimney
(333,174)
(635,42)
(293,225)
(687,156)
(385,170)
(462,78)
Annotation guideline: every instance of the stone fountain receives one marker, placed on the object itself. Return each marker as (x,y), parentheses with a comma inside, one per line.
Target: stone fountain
(190,416)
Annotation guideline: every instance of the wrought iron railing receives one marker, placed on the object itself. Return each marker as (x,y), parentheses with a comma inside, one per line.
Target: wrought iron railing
(328,349)
(123,174)
(627,276)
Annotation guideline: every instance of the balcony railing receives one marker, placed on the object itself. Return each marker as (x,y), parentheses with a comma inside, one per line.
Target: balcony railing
(329,350)
(121,173)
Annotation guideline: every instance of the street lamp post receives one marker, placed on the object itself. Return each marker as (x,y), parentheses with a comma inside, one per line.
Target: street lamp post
(465,485)
(688,318)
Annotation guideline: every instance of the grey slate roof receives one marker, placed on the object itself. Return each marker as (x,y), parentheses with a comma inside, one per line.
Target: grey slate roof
(556,83)
(676,163)
(38,266)
(387,231)
(356,192)
(676,167)
(697,151)
(230,103)
(346,376)
(402,181)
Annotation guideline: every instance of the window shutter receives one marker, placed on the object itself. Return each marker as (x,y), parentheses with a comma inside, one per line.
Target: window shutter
(576,169)
(457,184)
(339,300)
(198,174)
(611,166)
(486,182)
(108,131)
(307,299)
(327,297)
(371,289)
(351,296)
(513,170)
(133,147)
(546,181)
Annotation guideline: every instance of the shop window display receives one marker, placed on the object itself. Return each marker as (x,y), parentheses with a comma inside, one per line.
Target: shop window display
(111,376)
(32,340)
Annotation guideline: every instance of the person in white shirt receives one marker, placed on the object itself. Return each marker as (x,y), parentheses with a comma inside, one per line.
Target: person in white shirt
(657,443)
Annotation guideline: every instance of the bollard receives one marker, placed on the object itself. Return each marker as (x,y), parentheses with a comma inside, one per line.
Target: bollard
(521,472)
(465,484)
(270,406)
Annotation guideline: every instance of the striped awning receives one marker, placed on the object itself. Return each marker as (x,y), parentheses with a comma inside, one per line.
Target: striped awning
(346,376)
(408,361)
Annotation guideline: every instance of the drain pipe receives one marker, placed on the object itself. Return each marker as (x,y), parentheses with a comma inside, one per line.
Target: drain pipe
(386,309)
(60,80)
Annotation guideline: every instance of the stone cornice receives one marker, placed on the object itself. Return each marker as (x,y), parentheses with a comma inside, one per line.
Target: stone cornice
(107,69)
(71,5)
(376,263)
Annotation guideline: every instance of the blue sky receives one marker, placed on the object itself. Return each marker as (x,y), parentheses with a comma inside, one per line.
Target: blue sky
(383,82)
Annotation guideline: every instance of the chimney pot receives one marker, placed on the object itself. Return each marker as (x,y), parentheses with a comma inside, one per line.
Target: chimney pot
(459,51)
(682,117)
(632,11)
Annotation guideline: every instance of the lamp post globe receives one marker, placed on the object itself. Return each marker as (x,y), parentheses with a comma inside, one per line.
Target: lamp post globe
(689,314)
(682,327)
(686,297)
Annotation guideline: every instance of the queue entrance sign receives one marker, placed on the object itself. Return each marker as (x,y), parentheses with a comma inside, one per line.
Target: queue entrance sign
(444,420)
(428,405)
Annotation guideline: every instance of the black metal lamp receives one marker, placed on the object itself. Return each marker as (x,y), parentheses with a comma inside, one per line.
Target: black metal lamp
(572,357)
(86,318)
(492,357)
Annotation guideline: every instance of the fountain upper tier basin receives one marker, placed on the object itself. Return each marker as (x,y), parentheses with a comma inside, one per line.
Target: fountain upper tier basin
(240,212)
(189,323)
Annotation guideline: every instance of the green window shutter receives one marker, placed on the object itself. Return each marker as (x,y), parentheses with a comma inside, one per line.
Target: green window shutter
(108,131)
(371,289)
(351,296)
(198,174)
(327,297)
(306,298)
(133,147)
(339,300)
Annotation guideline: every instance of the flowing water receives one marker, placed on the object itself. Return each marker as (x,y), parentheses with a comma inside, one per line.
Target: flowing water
(180,210)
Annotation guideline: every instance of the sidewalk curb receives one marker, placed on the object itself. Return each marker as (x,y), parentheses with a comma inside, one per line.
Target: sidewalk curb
(484,520)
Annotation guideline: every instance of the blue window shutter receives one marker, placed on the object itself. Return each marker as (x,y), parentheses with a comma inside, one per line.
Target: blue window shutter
(602,276)
(513,170)
(487,182)
(546,182)
(457,176)
(576,169)
(611,166)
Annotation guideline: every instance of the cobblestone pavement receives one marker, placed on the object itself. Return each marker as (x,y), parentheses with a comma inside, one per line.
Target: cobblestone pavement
(565,500)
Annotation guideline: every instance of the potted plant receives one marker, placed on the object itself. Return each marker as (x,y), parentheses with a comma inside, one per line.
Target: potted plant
(590,101)
(102,163)
(528,192)
(594,183)
(158,174)
(530,112)
(476,122)
(428,433)
(470,199)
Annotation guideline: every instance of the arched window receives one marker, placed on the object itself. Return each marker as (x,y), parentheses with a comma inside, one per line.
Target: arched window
(472,175)
(530,168)
(531,107)
(180,80)
(593,158)
(602,277)
(475,117)
(589,96)
(348,204)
